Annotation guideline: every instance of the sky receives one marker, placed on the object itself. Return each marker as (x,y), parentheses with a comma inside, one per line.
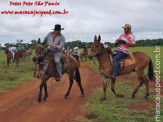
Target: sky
(84,20)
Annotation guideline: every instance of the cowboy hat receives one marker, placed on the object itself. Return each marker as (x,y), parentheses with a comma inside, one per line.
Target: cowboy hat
(75,48)
(58,27)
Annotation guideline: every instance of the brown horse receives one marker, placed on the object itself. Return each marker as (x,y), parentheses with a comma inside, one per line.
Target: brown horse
(9,56)
(84,54)
(142,60)
(47,69)
(18,55)
(28,52)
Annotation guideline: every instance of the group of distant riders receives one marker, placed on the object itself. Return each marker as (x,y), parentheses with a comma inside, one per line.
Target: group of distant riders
(13,49)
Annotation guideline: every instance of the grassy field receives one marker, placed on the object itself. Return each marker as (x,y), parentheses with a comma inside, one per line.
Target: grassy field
(122,109)
(12,76)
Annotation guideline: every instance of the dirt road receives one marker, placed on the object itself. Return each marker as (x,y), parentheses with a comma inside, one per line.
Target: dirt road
(20,104)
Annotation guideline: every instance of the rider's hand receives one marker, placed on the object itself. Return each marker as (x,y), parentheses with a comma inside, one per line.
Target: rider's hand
(54,47)
(123,42)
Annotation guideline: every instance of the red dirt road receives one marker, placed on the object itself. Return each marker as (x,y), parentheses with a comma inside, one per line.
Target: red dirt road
(20,104)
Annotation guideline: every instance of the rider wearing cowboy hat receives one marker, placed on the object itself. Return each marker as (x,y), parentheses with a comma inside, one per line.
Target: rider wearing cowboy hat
(56,42)
(75,52)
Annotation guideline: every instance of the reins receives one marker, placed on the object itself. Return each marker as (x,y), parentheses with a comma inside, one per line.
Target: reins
(100,51)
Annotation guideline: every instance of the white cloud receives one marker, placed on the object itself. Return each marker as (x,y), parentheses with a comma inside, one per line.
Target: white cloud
(85,19)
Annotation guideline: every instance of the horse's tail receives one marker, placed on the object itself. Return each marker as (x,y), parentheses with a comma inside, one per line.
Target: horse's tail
(150,71)
(77,72)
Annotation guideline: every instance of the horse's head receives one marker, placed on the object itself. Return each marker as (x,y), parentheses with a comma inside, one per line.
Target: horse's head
(39,52)
(96,47)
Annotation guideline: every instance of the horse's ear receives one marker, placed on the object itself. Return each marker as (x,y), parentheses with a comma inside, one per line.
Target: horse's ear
(99,38)
(39,41)
(95,38)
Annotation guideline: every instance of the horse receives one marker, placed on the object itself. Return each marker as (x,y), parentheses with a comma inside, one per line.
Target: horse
(84,54)
(9,56)
(47,69)
(28,52)
(18,55)
(142,60)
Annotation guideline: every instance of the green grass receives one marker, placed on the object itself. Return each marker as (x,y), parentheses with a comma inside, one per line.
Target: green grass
(12,76)
(120,109)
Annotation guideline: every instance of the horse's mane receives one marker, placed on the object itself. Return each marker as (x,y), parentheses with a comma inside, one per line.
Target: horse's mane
(6,51)
(110,51)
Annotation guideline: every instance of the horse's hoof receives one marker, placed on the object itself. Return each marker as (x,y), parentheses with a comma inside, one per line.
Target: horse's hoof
(146,96)
(44,99)
(102,99)
(133,96)
(65,96)
(39,100)
(120,95)
(82,95)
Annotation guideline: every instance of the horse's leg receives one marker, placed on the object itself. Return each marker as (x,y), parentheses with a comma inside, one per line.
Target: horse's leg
(8,61)
(137,88)
(113,89)
(43,84)
(40,92)
(147,87)
(141,79)
(105,82)
(17,62)
(46,92)
(78,79)
(71,83)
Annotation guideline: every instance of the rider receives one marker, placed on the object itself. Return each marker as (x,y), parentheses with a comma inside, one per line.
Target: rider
(19,48)
(22,48)
(26,47)
(85,48)
(12,48)
(75,53)
(125,41)
(56,42)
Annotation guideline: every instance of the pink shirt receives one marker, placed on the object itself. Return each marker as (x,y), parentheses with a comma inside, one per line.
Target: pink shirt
(127,38)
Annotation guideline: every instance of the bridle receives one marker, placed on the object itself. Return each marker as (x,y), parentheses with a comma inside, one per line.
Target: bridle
(99,51)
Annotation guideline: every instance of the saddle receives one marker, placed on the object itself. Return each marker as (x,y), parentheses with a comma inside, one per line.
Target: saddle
(124,62)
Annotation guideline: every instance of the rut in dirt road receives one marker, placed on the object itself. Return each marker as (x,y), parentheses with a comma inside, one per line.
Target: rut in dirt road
(20,104)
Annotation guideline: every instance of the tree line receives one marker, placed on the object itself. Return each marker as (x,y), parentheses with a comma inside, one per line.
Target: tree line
(80,44)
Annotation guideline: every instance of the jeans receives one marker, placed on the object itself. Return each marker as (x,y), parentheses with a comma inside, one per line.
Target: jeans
(57,58)
(116,59)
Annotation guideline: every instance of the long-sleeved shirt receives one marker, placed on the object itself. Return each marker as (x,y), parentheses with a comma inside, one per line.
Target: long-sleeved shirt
(59,41)
(127,38)
(75,52)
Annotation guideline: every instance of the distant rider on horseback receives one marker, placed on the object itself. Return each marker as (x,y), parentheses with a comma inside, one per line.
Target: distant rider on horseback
(56,42)
(12,48)
(125,41)
(75,53)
